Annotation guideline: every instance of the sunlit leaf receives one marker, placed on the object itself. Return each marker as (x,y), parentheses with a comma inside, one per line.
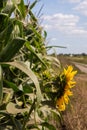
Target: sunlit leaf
(22,8)
(30,73)
(8,9)
(13,108)
(53,60)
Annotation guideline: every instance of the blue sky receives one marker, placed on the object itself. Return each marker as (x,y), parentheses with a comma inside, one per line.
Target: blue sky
(66,24)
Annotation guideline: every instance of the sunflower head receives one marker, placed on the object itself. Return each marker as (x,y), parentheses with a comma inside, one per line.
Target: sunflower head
(65,83)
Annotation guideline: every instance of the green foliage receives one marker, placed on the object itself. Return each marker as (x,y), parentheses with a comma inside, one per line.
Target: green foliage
(1,84)
(27,73)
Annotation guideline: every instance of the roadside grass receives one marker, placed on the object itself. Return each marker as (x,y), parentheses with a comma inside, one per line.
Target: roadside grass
(69,60)
(75,117)
(80,59)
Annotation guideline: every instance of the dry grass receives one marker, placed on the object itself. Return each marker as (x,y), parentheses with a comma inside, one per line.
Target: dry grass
(75,118)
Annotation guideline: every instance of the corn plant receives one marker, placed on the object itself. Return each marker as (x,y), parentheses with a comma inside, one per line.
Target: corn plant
(31,82)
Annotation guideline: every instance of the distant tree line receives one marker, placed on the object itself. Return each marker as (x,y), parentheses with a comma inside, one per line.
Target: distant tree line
(82,54)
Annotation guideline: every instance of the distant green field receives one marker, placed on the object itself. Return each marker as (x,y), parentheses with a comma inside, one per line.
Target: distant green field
(76,58)
(68,60)
(80,59)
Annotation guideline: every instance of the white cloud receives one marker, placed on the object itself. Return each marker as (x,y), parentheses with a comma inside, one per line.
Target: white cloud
(82,7)
(66,23)
(73,1)
(53,39)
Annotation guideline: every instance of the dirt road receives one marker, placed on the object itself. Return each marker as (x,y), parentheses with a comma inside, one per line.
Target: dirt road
(82,67)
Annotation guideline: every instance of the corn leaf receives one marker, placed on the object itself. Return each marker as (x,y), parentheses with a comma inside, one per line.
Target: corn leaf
(33,4)
(1,4)
(32,50)
(8,9)
(1,84)
(13,108)
(30,73)
(22,8)
(11,85)
(11,49)
(3,21)
(5,34)
(49,126)
(17,123)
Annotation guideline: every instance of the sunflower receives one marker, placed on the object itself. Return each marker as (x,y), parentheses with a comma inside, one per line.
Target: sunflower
(63,100)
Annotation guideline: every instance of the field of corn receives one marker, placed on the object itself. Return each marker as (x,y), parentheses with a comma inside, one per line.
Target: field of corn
(36,89)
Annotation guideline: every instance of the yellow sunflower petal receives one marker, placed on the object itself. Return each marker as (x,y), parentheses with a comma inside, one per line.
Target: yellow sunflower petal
(74,73)
(66,98)
(62,107)
(69,70)
(60,104)
(72,84)
(69,93)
